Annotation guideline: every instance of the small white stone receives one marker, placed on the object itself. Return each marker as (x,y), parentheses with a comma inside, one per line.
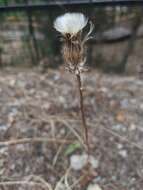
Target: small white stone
(141,106)
(119,127)
(21,147)
(3,150)
(94,162)
(119,146)
(3,127)
(12,82)
(123,153)
(133,127)
(61,186)
(79,161)
(133,101)
(124,103)
(94,187)
(103,89)
(61,99)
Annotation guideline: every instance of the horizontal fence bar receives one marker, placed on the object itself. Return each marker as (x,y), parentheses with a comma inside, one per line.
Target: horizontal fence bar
(72,4)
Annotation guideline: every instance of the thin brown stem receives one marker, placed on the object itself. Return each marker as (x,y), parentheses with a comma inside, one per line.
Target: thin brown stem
(78,76)
(33,140)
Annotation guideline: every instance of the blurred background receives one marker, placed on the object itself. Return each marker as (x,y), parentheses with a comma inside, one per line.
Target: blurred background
(27,36)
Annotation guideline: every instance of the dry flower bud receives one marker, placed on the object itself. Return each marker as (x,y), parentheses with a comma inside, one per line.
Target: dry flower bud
(70,25)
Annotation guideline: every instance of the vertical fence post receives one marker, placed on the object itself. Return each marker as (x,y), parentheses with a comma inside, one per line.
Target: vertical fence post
(32,34)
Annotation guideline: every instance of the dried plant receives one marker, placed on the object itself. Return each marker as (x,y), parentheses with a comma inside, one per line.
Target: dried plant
(71,26)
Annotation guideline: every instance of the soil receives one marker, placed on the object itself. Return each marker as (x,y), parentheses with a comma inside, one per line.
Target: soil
(40,122)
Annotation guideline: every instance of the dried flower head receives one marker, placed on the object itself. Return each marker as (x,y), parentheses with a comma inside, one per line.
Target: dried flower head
(70,25)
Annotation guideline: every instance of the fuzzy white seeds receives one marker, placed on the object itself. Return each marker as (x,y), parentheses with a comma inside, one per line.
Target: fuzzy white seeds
(70,23)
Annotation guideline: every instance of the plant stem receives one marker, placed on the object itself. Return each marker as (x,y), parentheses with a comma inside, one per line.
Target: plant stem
(78,76)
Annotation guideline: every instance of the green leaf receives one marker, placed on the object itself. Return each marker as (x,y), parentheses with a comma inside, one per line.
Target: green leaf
(72,148)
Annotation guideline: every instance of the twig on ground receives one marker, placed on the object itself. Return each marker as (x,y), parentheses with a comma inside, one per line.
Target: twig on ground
(61,179)
(33,140)
(73,131)
(53,133)
(58,151)
(125,139)
(41,180)
(10,183)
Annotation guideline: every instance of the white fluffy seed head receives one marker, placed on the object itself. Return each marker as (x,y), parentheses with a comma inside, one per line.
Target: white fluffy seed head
(70,23)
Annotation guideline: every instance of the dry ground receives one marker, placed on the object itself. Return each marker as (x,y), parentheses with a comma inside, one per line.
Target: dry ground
(39,121)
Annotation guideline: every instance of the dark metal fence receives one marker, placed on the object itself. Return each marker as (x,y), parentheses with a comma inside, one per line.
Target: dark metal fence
(53,4)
